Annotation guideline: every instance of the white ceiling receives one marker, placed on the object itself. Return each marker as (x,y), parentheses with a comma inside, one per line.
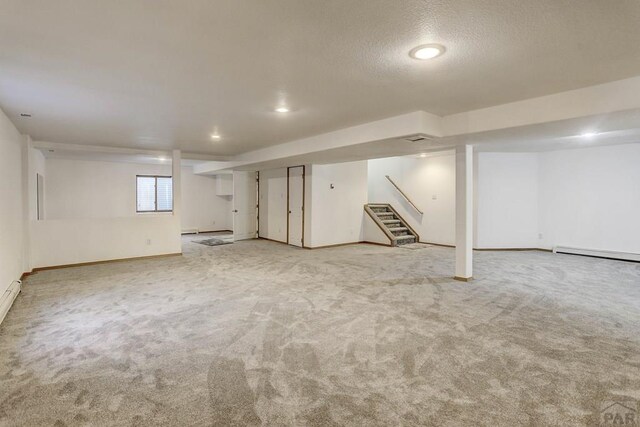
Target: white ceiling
(161,74)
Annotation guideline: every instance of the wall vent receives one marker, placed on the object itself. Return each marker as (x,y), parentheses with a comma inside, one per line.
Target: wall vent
(418,138)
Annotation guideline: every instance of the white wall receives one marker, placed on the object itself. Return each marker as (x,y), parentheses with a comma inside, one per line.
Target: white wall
(91,212)
(336,214)
(84,189)
(13,261)
(94,189)
(586,198)
(202,209)
(506,200)
(590,198)
(273,204)
(429,182)
(72,241)
(372,233)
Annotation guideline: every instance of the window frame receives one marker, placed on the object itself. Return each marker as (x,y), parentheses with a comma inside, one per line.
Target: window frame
(155,200)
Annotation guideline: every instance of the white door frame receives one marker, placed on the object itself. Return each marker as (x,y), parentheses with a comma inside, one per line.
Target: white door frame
(303,202)
(250,205)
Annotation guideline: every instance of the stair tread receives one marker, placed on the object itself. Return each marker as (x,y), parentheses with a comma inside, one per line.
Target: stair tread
(392,221)
(408,236)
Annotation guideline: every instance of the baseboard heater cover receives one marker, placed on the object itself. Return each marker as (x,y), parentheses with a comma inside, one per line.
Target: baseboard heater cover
(7,298)
(628,256)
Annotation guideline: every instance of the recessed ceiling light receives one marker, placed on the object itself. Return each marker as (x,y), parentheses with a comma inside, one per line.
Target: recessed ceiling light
(282,110)
(426,51)
(162,159)
(589,135)
(423,155)
(215,136)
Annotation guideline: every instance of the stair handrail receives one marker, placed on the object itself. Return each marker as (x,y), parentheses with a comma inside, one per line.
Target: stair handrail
(413,205)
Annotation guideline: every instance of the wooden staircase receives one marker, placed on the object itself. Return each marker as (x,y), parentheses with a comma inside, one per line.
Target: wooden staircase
(391,223)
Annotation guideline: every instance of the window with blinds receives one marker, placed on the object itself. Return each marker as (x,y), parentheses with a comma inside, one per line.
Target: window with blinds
(154,193)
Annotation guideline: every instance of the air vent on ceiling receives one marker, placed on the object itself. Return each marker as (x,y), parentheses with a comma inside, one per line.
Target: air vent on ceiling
(25,115)
(418,138)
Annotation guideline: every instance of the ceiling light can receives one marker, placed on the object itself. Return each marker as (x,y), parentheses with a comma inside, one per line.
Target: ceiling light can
(426,51)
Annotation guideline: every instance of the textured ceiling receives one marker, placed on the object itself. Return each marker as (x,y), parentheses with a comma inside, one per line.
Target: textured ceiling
(162,74)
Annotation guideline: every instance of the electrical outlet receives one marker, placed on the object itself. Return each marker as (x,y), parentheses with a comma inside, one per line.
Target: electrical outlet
(539,235)
(148,241)
(434,197)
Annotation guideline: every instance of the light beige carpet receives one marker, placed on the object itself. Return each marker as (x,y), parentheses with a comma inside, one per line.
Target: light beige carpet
(261,333)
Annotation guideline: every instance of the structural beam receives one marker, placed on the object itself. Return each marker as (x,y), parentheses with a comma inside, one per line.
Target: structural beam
(464,213)
(176,173)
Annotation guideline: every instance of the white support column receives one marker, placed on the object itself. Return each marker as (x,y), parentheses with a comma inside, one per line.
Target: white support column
(464,212)
(176,171)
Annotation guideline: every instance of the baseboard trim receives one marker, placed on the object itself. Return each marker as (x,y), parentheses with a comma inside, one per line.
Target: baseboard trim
(326,246)
(491,249)
(82,264)
(273,240)
(509,249)
(335,246)
(463,279)
(190,231)
(386,245)
(437,244)
(598,253)
(8,297)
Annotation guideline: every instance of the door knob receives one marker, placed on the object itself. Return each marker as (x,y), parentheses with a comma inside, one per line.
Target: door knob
(235,211)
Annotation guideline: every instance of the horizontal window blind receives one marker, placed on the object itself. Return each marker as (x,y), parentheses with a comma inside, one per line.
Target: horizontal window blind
(164,194)
(154,193)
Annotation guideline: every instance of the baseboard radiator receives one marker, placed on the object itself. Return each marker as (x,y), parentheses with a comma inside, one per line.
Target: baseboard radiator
(628,256)
(6,299)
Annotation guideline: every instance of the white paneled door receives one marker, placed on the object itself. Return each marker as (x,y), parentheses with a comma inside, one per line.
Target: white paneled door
(296,205)
(244,205)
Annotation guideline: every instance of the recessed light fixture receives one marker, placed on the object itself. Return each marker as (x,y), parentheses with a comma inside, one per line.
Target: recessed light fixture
(589,135)
(282,109)
(423,155)
(215,137)
(426,51)
(162,159)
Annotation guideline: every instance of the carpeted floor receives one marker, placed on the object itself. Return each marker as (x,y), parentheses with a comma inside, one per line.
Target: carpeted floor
(261,333)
